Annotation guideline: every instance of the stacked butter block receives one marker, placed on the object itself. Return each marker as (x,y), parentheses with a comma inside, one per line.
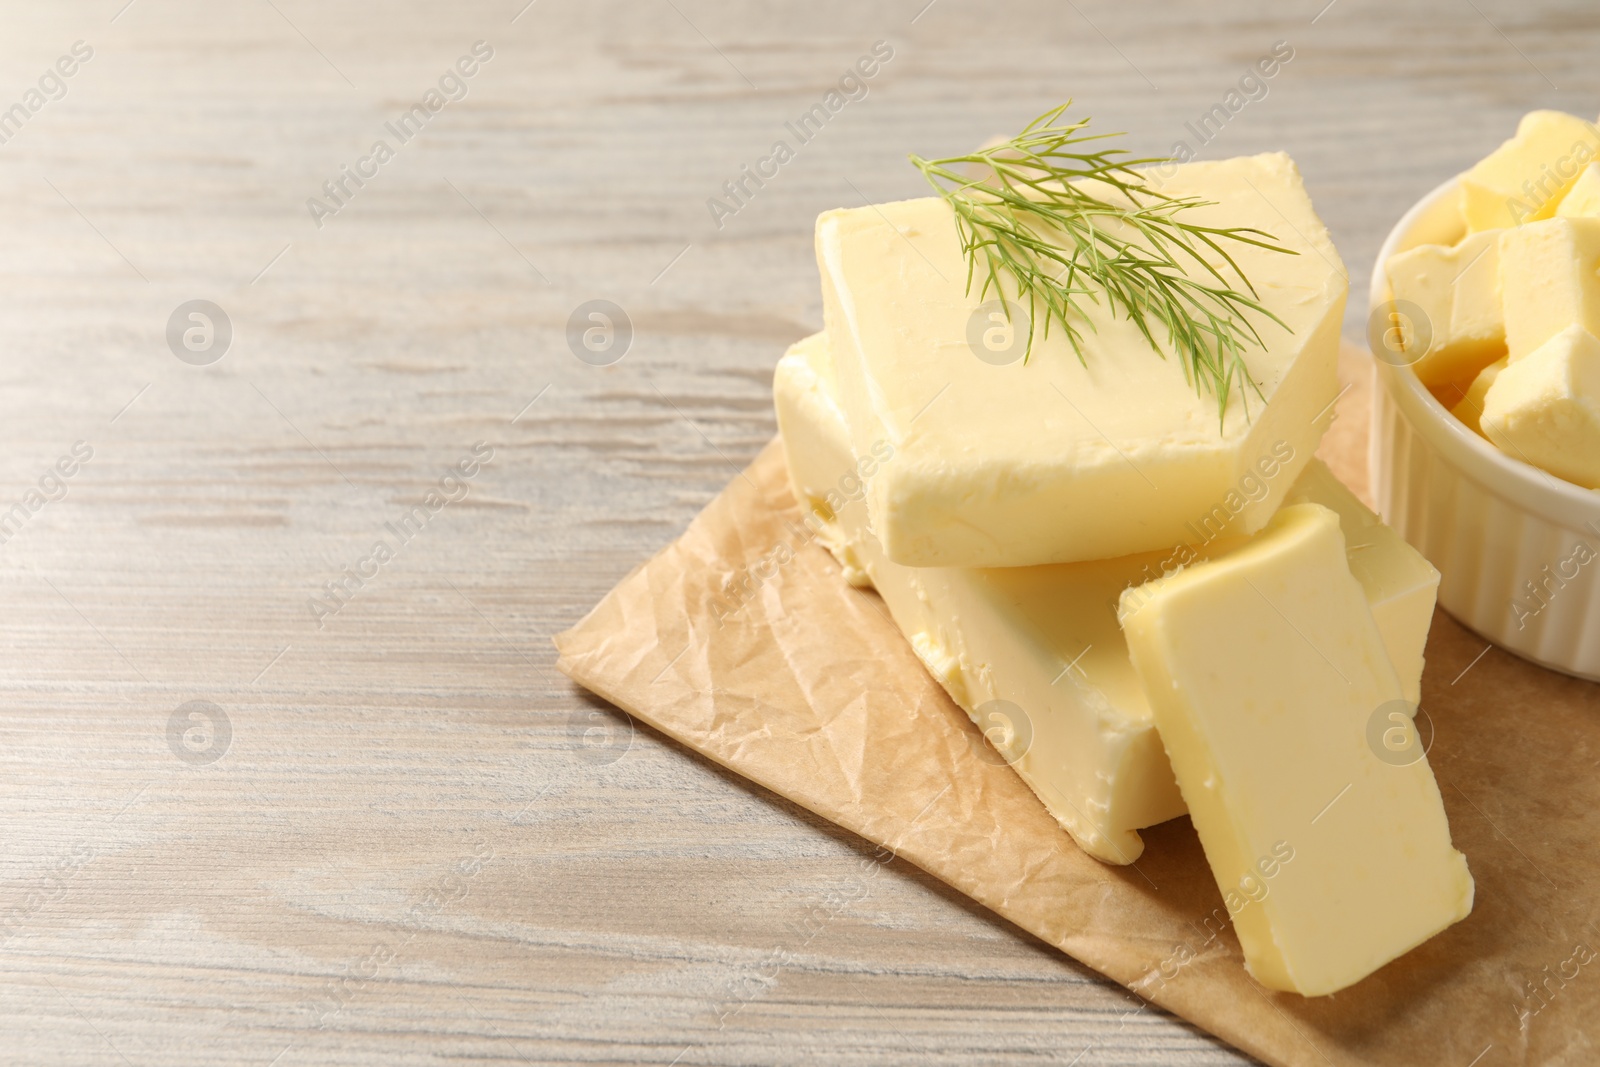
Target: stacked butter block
(1511,310)
(1057,538)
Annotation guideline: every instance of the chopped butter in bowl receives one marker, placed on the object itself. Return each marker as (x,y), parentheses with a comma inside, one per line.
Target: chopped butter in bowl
(1486,430)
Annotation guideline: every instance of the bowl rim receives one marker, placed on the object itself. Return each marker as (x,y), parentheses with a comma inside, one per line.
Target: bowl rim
(1555,499)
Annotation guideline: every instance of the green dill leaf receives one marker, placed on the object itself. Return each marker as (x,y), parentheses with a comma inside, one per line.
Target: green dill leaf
(1039,216)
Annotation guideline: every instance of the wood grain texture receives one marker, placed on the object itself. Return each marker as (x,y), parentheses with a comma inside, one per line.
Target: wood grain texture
(419,844)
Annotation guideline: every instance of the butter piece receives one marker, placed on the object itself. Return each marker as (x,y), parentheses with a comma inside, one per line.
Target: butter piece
(1400,585)
(1549,280)
(1458,289)
(1266,675)
(1046,639)
(1053,459)
(1545,408)
(1525,178)
(1469,409)
(1583,199)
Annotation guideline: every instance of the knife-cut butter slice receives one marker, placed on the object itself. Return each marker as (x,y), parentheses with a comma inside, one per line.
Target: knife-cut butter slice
(1458,289)
(1549,280)
(1003,462)
(1075,723)
(1545,409)
(1276,700)
(1525,178)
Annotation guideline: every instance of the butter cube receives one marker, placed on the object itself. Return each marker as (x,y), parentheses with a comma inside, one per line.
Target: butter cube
(1526,177)
(1458,289)
(1286,725)
(1004,462)
(1584,196)
(1545,408)
(1549,280)
(1469,409)
(1034,654)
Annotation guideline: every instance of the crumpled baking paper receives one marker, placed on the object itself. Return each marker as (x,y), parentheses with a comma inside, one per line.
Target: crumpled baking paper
(742,640)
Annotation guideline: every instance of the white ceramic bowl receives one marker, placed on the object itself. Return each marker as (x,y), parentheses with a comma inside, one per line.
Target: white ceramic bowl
(1505,536)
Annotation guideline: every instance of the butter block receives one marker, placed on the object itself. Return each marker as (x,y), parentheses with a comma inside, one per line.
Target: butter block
(1549,280)
(1053,460)
(1583,199)
(1544,409)
(1458,289)
(1266,673)
(1525,178)
(1469,409)
(1045,639)
(1401,586)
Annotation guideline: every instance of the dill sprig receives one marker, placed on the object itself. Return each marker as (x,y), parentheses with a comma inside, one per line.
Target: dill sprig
(1038,214)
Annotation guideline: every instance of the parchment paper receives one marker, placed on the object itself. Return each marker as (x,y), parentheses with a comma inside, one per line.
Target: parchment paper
(809,689)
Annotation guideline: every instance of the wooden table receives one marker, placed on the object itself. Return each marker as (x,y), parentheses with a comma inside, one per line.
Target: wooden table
(389,833)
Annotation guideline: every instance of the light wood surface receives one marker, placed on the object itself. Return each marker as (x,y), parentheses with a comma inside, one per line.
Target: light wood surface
(417,842)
